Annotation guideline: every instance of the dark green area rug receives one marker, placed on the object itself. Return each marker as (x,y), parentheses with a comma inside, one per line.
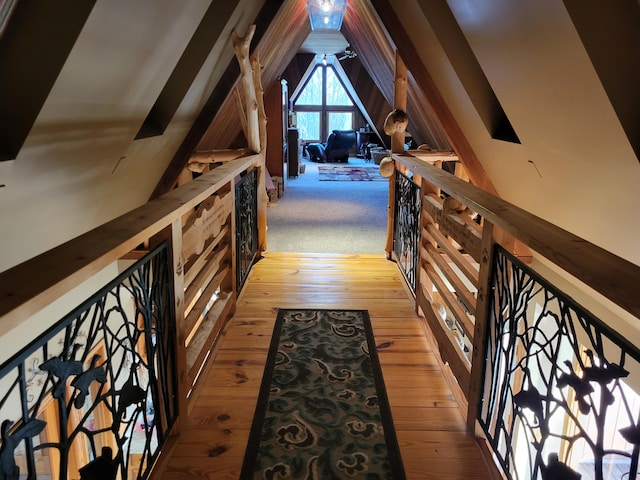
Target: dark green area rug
(322,411)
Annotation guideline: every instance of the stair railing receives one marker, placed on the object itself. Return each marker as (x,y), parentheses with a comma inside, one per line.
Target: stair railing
(554,390)
(102,390)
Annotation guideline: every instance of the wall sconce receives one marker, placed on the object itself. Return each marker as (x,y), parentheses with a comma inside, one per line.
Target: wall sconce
(326,14)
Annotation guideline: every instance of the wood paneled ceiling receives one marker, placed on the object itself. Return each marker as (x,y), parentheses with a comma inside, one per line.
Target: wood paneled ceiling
(364,30)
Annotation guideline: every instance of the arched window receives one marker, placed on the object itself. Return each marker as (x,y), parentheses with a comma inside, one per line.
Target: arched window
(323,105)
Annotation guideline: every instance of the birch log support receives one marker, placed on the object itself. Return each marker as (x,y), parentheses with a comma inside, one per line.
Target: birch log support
(242,114)
(262,168)
(399,103)
(199,161)
(241,49)
(256,70)
(397,143)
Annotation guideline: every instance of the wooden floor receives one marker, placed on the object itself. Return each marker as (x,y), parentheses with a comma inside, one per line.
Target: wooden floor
(430,428)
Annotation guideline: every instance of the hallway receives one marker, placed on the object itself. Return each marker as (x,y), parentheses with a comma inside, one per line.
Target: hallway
(315,216)
(430,428)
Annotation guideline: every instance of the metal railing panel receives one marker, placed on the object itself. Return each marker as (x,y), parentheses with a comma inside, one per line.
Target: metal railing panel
(96,392)
(246,225)
(560,386)
(406,231)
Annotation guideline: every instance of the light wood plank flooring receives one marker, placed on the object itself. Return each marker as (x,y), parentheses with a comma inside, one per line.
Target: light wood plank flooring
(430,428)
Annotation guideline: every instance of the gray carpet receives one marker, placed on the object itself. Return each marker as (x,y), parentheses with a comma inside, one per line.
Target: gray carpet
(328,217)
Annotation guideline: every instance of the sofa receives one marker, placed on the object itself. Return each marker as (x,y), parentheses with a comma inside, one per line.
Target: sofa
(335,149)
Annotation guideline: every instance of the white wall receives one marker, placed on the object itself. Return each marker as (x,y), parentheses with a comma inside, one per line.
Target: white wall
(584,174)
(80,165)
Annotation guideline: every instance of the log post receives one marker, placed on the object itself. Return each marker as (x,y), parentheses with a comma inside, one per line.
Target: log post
(399,103)
(241,49)
(397,144)
(262,168)
(256,130)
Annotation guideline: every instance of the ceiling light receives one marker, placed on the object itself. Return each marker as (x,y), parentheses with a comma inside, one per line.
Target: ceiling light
(326,14)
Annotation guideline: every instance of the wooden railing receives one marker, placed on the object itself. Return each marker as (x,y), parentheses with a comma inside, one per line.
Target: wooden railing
(197,225)
(463,305)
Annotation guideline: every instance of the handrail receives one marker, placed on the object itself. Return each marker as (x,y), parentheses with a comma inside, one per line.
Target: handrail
(30,286)
(598,268)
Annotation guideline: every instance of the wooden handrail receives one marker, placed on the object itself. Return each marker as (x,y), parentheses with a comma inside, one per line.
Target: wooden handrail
(29,287)
(612,276)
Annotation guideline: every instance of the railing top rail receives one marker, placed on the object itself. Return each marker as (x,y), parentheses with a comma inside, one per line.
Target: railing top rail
(612,276)
(30,286)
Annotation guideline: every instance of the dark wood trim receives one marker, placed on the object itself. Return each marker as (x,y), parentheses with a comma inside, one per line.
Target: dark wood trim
(31,62)
(186,70)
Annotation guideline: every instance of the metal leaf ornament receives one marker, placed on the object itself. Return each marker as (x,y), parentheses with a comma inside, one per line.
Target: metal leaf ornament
(86,378)
(10,441)
(579,385)
(603,375)
(631,434)
(130,394)
(62,369)
(530,399)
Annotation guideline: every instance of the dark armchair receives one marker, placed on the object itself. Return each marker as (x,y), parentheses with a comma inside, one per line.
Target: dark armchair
(335,149)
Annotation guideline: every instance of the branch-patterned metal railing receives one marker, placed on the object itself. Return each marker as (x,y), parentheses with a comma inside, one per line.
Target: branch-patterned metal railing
(406,231)
(246,225)
(95,395)
(559,398)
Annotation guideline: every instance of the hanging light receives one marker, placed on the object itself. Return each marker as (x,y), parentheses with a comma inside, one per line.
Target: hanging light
(326,14)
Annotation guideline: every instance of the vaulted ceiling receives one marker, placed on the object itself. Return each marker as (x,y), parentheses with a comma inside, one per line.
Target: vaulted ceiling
(104,101)
(364,30)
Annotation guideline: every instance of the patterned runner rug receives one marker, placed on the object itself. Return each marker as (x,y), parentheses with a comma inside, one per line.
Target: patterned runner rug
(322,411)
(349,173)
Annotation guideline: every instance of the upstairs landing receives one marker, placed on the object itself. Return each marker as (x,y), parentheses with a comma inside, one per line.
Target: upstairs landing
(430,427)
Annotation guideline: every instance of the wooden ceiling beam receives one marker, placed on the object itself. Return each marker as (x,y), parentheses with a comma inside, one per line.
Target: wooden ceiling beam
(432,95)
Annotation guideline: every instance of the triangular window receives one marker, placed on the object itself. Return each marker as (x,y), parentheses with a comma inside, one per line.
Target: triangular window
(336,94)
(312,92)
(323,104)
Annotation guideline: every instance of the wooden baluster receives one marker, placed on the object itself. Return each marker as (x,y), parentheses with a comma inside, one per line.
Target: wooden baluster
(480,330)
(173,233)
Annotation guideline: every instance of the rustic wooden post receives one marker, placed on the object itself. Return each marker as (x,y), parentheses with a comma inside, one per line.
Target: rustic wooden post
(262,169)
(397,144)
(399,102)
(480,328)
(241,49)
(256,121)
(173,234)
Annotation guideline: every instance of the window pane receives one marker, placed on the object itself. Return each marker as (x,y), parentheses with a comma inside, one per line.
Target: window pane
(312,92)
(309,125)
(336,94)
(340,121)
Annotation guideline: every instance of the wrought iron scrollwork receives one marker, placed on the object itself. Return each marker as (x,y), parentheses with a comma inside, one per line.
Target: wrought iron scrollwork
(101,380)
(560,387)
(246,225)
(406,231)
